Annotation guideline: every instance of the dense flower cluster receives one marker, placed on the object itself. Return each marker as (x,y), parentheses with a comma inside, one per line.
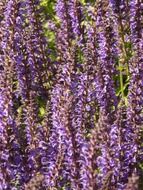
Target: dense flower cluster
(71,115)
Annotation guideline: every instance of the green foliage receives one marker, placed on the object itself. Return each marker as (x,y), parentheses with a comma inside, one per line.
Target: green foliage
(48,7)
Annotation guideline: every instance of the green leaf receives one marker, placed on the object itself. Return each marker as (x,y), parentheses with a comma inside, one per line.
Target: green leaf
(42,111)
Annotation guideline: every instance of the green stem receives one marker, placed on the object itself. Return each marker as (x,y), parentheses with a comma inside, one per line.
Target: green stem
(121,81)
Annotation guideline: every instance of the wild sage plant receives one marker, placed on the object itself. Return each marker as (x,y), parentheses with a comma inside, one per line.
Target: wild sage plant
(71,113)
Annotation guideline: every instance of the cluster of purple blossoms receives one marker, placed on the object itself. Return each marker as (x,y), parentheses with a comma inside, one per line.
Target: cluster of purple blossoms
(74,121)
